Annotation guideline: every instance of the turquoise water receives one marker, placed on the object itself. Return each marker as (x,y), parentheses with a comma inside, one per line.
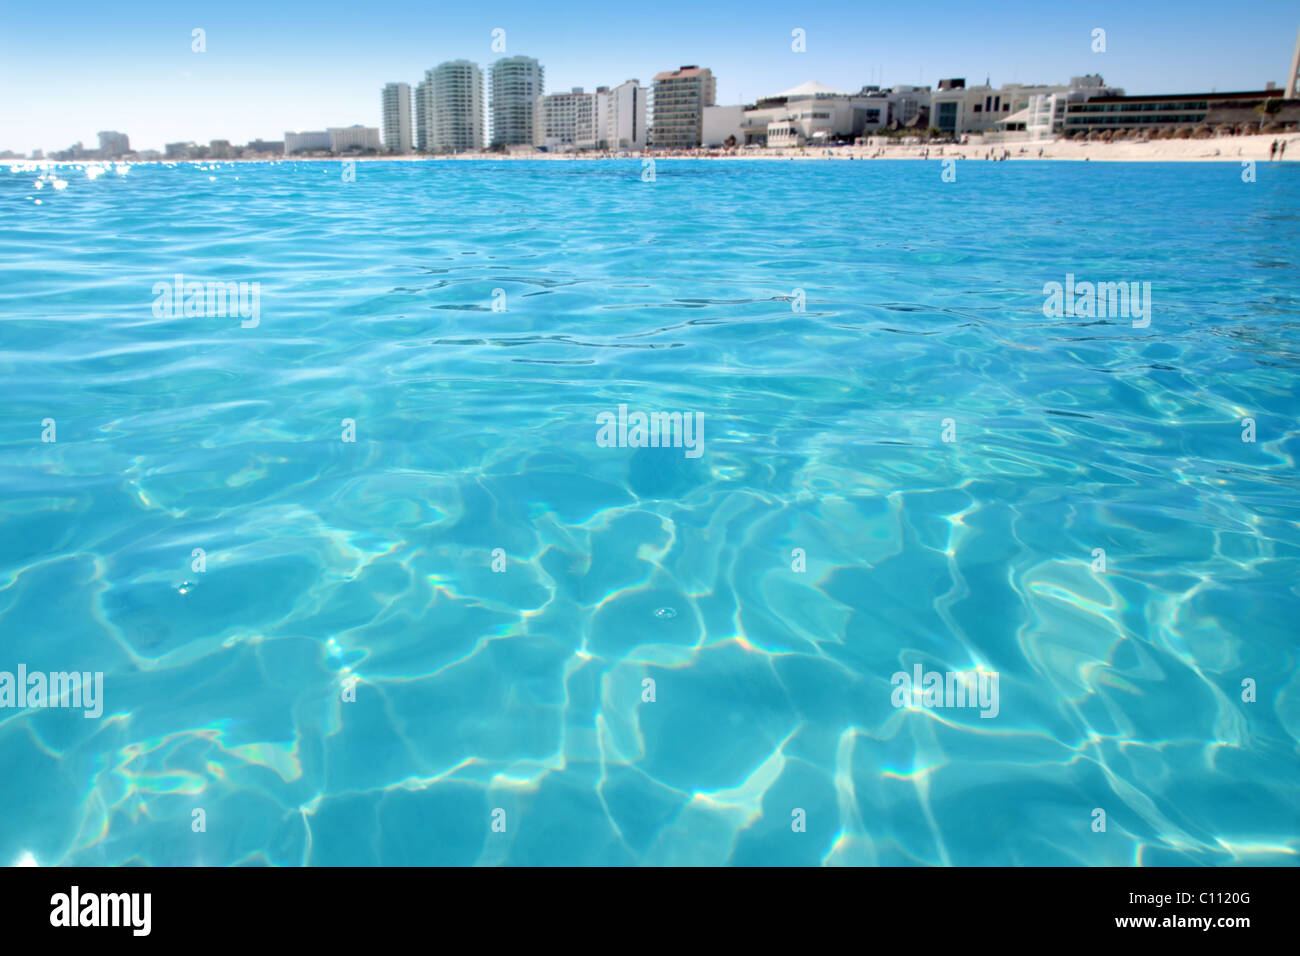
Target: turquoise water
(368,564)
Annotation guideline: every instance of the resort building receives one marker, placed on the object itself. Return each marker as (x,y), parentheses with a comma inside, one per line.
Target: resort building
(622,116)
(397,118)
(449,108)
(1174,109)
(957,109)
(809,114)
(316,140)
(567,121)
(354,139)
(722,126)
(680,97)
(264,147)
(516,83)
(606,119)
(817,115)
(422,119)
(908,105)
(1043,116)
(113,145)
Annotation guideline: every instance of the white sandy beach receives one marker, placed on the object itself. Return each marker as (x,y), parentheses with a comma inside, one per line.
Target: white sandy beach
(1225,149)
(1221,149)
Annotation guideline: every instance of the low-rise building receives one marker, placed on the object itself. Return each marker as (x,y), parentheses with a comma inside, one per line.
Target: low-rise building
(958,109)
(73,152)
(1172,109)
(908,105)
(1043,116)
(185,151)
(354,139)
(809,114)
(262,147)
(306,142)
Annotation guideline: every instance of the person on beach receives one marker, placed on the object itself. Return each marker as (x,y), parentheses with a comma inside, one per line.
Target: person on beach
(1280,150)
(1272,151)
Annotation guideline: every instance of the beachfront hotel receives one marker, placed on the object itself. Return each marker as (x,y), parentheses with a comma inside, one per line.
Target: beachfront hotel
(354,139)
(958,109)
(396,103)
(605,119)
(335,140)
(680,97)
(567,120)
(516,82)
(809,113)
(1175,109)
(113,144)
(623,116)
(449,108)
(813,113)
(310,141)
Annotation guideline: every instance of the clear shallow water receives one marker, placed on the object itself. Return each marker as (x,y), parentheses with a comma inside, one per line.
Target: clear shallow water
(476,430)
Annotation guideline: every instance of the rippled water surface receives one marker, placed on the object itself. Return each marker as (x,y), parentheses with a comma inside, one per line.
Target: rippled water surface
(368,564)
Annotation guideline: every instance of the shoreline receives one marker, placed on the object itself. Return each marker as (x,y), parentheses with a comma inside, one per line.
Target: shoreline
(1224,149)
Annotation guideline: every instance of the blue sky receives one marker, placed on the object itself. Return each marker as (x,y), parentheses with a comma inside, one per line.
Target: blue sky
(71,69)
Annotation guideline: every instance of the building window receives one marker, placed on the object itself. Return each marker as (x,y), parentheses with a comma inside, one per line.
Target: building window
(947,117)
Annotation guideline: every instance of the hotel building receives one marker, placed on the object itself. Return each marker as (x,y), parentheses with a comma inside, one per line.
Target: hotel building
(303,142)
(908,104)
(957,109)
(1175,109)
(422,121)
(566,121)
(354,139)
(1043,116)
(397,118)
(622,116)
(516,82)
(449,108)
(680,97)
(809,114)
(113,145)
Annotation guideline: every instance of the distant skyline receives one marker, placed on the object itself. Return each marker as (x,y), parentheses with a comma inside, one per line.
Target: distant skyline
(294,65)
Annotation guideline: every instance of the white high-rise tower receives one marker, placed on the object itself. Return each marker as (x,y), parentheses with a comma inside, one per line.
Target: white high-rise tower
(449,108)
(397,118)
(516,84)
